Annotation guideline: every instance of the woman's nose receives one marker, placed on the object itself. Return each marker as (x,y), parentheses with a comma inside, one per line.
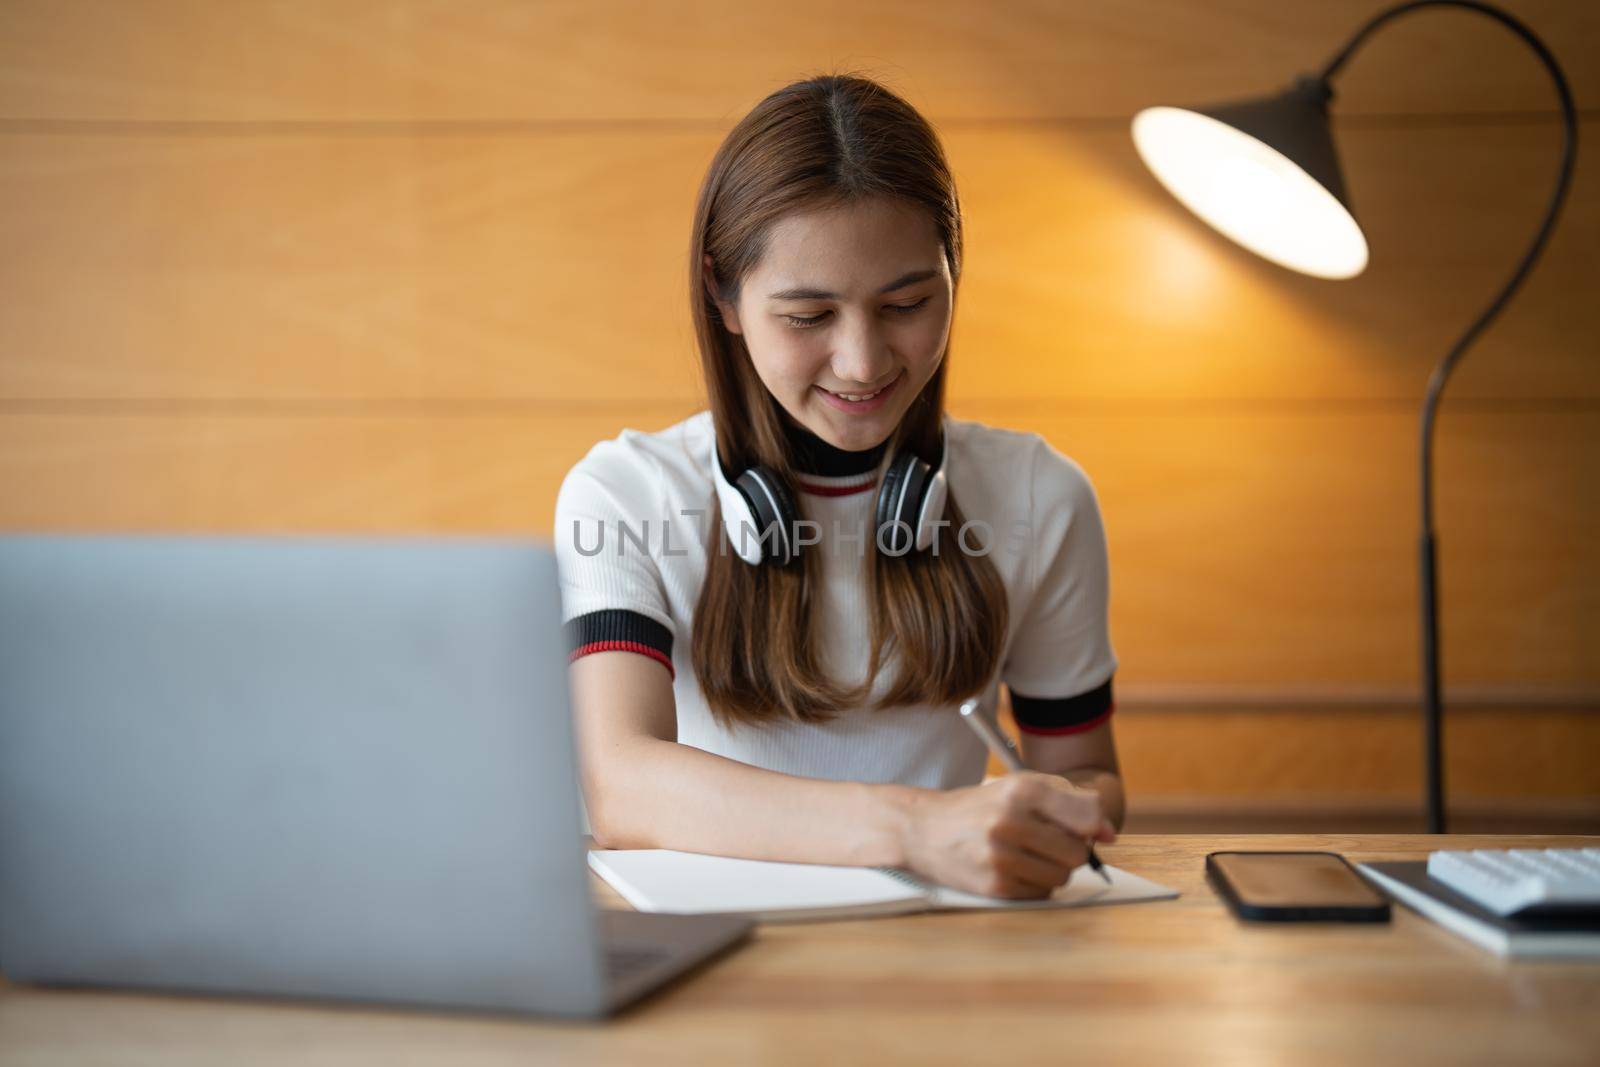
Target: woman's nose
(862,355)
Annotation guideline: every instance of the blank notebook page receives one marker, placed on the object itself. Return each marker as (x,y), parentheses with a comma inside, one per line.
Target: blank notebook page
(1084,888)
(658,879)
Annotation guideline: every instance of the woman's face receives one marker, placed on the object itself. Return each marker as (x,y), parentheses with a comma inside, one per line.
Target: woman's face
(855,301)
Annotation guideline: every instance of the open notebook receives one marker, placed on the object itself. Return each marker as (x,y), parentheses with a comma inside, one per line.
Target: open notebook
(658,879)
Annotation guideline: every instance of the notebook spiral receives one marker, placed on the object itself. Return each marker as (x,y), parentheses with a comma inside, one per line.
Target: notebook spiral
(902,876)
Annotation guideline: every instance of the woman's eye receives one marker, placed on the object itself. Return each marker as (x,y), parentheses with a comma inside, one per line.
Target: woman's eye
(803,322)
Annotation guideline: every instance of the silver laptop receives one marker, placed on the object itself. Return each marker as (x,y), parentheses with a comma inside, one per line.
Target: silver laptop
(336,768)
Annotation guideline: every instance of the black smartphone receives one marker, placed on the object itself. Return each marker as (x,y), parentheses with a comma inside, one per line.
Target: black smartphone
(1295,887)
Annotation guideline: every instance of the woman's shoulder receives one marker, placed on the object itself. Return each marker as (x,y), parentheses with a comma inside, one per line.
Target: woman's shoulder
(645,467)
(1021,463)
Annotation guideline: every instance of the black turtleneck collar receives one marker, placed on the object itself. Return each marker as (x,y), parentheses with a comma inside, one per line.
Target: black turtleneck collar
(813,455)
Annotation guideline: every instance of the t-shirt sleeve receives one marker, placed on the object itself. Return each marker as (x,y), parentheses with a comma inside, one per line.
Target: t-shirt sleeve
(1061,662)
(608,527)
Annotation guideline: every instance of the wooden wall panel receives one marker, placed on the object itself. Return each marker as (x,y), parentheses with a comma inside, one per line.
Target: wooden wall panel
(345,267)
(512,266)
(631,60)
(1374,753)
(295,472)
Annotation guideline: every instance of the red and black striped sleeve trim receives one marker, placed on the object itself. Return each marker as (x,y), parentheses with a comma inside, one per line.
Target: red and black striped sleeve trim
(1063,715)
(618,629)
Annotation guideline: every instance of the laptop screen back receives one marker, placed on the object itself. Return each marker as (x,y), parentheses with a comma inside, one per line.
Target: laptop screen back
(337,767)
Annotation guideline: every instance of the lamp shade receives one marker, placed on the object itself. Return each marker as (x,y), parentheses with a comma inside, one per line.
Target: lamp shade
(1264,172)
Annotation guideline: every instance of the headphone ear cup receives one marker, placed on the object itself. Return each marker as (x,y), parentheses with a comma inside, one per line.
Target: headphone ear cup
(910,506)
(932,511)
(790,513)
(771,504)
(886,494)
(900,503)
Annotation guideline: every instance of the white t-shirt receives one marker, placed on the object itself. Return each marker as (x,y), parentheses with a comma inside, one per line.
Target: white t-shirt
(1045,538)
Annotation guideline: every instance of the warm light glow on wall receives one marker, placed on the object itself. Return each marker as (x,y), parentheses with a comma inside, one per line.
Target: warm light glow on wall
(1250,192)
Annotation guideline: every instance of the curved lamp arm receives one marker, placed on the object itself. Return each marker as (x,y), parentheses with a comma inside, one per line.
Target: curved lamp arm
(1441,373)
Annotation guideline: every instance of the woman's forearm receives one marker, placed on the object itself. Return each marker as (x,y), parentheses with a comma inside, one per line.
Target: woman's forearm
(662,794)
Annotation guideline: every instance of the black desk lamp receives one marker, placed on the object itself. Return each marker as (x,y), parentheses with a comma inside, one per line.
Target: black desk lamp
(1264,172)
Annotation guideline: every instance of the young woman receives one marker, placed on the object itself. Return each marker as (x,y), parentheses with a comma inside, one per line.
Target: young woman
(769,664)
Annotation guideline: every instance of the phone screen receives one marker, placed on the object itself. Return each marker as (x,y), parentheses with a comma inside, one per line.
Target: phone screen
(1294,880)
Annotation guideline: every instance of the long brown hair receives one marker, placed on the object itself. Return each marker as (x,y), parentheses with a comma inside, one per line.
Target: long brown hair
(829,141)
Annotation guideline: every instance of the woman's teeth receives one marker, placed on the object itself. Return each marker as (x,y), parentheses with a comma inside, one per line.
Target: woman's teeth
(858,396)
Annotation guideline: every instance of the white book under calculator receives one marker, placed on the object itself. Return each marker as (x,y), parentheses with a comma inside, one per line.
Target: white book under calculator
(657,879)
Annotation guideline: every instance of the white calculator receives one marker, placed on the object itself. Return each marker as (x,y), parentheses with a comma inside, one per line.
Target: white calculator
(1523,881)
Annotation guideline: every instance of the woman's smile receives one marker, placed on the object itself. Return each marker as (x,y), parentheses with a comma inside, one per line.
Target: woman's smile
(863,402)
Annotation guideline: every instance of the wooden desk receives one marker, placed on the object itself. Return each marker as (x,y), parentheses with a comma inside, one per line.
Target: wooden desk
(1174,982)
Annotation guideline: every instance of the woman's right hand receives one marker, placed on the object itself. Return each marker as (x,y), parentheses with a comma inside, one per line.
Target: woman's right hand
(1019,836)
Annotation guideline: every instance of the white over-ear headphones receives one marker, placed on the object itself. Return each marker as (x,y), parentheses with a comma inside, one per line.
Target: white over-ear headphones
(759,515)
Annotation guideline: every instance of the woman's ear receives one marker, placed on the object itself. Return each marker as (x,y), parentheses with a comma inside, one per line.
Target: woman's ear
(730,314)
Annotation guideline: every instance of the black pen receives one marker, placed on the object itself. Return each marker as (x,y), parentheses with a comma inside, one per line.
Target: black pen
(1003,747)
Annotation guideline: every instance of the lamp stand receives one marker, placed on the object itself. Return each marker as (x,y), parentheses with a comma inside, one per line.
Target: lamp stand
(1431,704)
